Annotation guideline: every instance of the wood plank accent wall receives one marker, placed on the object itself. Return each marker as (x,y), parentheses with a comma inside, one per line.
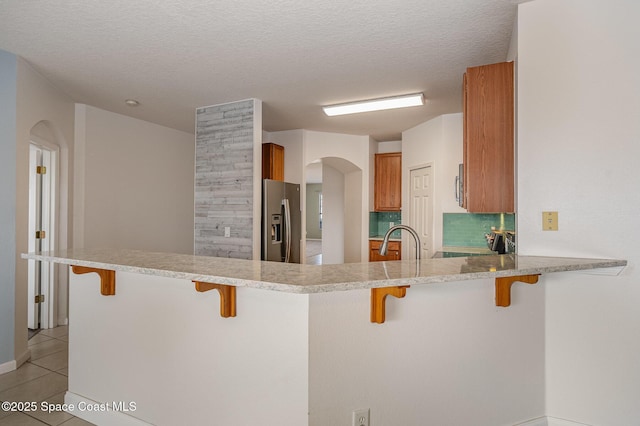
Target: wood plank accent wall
(224,187)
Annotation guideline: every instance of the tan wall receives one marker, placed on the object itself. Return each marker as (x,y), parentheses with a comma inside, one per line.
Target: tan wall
(39,104)
(134,183)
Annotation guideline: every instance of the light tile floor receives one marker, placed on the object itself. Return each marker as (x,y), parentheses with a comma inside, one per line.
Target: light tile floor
(42,378)
(314,252)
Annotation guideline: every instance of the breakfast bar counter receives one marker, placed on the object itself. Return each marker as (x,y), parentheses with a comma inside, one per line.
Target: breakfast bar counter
(290,345)
(308,279)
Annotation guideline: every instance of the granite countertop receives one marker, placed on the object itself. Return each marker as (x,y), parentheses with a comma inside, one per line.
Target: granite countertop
(381,237)
(306,279)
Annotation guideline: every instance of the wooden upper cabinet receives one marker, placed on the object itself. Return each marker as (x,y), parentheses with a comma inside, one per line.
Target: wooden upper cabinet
(388,182)
(488,133)
(272,161)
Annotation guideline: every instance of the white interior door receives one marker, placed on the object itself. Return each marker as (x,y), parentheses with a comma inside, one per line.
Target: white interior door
(41,236)
(33,277)
(421,212)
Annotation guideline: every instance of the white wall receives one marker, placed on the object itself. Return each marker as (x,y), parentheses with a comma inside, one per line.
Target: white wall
(293,143)
(354,149)
(135,186)
(389,146)
(354,202)
(333,223)
(373,150)
(578,133)
(446,355)
(437,142)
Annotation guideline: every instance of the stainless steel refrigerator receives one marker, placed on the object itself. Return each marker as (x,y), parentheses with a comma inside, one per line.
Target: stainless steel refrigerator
(281,221)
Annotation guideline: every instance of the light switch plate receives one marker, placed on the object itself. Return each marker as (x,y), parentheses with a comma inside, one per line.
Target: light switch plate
(549,221)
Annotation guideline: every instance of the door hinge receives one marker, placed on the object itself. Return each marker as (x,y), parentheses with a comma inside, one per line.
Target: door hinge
(41,170)
(39,298)
(41,235)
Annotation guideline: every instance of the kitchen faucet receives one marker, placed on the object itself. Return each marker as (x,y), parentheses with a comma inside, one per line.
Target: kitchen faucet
(385,240)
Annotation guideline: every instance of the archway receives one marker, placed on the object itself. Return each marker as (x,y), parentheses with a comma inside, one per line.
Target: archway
(341,210)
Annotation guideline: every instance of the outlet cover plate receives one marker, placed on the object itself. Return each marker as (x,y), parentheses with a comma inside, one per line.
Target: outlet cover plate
(361,417)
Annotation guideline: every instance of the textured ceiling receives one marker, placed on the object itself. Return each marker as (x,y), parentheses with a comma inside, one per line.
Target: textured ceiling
(176,55)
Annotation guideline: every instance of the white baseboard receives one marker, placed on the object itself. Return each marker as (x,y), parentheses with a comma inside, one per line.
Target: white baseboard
(7,366)
(540,421)
(14,364)
(24,357)
(553,421)
(101,413)
(550,421)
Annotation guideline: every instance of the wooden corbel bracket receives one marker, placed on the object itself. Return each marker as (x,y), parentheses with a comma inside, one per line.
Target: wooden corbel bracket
(227,297)
(503,287)
(107,278)
(378,299)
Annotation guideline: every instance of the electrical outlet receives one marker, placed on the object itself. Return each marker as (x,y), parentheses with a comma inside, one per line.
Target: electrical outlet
(227,231)
(361,417)
(391,224)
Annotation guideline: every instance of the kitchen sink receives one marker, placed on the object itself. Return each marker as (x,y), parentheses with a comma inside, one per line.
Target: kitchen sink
(443,254)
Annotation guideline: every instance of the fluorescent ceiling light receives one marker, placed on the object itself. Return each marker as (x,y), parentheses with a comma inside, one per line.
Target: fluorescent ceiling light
(380,104)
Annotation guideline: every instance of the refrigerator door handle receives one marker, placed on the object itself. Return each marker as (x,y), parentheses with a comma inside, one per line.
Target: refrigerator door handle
(287,230)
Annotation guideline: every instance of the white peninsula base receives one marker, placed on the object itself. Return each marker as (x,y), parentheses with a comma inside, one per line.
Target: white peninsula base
(299,345)
(296,359)
(163,346)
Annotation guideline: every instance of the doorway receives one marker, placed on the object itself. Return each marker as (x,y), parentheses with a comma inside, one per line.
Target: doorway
(314,224)
(421,210)
(339,212)
(43,162)
(313,208)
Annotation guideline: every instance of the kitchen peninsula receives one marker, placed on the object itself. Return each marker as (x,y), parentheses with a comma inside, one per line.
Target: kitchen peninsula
(292,344)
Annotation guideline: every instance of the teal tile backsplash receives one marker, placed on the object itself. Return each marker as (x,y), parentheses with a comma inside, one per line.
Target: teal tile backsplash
(379,223)
(468,229)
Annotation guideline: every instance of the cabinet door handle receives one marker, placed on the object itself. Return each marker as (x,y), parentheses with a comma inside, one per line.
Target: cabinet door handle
(456,188)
